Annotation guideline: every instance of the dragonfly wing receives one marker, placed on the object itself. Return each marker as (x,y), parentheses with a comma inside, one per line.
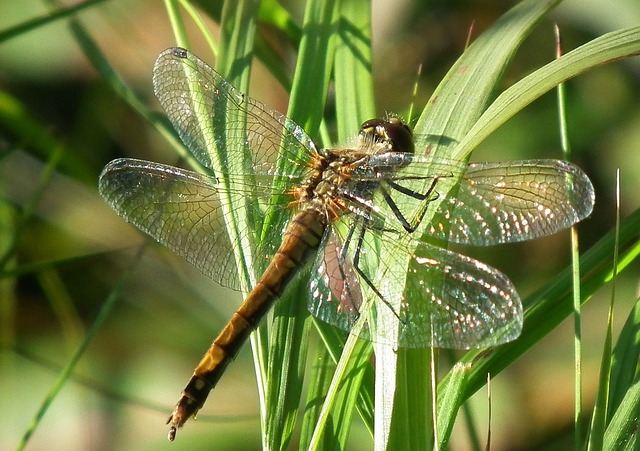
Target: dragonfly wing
(513,201)
(406,185)
(453,301)
(335,295)
(443,299)
(179,208)
(214,118)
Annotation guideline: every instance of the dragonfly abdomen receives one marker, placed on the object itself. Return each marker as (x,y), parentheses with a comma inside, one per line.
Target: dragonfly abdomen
(301,239)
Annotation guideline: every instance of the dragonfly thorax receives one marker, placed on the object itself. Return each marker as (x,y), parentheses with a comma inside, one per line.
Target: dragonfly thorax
(333,170)
(330,176)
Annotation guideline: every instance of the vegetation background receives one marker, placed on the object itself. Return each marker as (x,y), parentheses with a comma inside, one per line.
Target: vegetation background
(60,123)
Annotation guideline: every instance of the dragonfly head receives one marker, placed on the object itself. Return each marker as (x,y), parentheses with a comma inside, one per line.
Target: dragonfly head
(392,131)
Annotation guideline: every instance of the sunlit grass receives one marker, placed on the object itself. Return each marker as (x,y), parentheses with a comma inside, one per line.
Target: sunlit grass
(90,277)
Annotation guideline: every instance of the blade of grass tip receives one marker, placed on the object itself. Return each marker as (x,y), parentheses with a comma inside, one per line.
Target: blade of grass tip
(449,398)
(65,374)
(600,410)
(414,94)
(575,259)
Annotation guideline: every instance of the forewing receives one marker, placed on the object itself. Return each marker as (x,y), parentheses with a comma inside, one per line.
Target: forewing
(513,201)
(226,130)
(406,186)
(179,208)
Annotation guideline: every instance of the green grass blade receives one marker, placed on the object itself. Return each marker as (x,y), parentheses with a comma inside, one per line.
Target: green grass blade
(622,433)
(450,397)
(626,360)
(607,48)
(624,393)
(464,93)
(354,104)
(334,341)
(291,324)
(315,62)
(329,424)
(575,257)
(353,78)
(65,374)
(410,423)
(238,28)
(58,14)
(320,375)
(454,108)
(601,408)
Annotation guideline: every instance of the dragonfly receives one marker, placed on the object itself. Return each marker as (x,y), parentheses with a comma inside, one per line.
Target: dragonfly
(370,221)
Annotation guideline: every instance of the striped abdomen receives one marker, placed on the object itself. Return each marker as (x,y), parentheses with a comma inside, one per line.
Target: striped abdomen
(300,241)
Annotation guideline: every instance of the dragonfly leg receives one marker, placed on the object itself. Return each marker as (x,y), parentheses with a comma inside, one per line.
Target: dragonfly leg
(356,264)
(426,197)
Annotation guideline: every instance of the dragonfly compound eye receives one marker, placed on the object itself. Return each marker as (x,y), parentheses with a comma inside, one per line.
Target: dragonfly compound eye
(392,130)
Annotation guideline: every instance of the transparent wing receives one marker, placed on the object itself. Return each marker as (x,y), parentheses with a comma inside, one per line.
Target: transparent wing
(444,300)
(513,201)
(211,116)
(335,294)
(493,203)
(180,209)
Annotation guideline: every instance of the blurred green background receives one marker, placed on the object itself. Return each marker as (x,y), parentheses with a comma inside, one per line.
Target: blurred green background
(61,124)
